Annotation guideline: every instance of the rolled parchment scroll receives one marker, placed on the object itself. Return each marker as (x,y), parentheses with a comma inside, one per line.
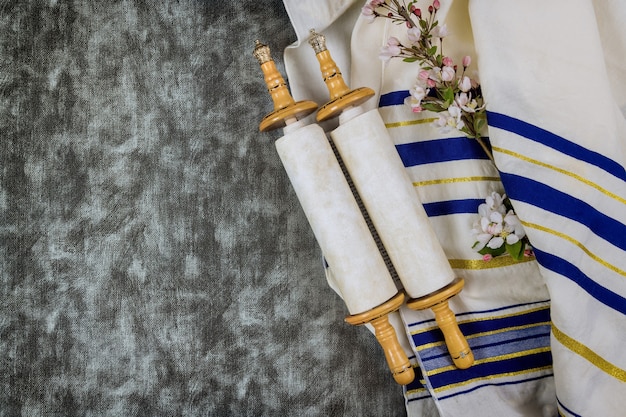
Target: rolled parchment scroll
(337,223)
(392,203)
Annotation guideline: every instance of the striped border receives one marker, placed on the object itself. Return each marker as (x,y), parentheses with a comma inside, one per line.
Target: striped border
(440,150)
(510,347)
(566,147)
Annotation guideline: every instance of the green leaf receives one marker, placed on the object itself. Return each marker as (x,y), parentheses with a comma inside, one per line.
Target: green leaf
(423,24)
(493,252)
(432,51)
(413,59)
(516,250)
(432,107)
(479,122)
(448,96)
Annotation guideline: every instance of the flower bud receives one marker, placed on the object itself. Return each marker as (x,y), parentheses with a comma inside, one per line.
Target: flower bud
(436,4)
(447,61)
(467,60)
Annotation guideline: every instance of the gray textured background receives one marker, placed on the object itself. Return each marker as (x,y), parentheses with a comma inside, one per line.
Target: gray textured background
(154,259)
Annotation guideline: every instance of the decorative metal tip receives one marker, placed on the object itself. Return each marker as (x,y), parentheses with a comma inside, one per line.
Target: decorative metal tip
(261,52)
(317,41)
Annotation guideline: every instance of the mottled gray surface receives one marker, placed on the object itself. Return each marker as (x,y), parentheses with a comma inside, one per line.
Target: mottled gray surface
(154,260)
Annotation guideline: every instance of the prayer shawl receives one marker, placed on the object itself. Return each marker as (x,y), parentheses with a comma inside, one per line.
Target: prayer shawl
(546,332)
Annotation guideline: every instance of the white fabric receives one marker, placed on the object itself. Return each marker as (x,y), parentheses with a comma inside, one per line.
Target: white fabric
(555,95)
(553,77)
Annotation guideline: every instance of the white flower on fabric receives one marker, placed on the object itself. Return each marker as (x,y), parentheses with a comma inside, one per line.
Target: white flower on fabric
(450,119)
(440,31)
(414,34)
(368,12)
(391,49)
(465,84)
(448,73)
(495,202)
(496,226)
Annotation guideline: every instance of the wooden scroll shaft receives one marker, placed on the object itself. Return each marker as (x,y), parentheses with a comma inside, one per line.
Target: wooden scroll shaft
(378,317)
(456,342)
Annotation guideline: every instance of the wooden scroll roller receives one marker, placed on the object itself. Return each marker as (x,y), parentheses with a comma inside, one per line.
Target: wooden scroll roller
(286,109)
(337,222)
(379,176)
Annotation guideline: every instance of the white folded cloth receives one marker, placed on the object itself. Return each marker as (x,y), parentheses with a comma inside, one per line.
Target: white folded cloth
(553,78)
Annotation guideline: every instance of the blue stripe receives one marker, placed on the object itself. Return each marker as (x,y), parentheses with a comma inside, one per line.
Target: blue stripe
(498,348)
(440,150)
(492,310)
(499,384)
(486,369)
(396,98)
(416,384)
(597,291)
(529,338)
(563,145)
(567,409)
(488,325)
(550,199)
(393,99)
(442,208)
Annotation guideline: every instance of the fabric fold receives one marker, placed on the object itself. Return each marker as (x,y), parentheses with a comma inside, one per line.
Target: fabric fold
(545,331)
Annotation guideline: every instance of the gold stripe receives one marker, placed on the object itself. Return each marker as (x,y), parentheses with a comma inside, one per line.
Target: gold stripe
(410,122)
(489,333)
(416,391)
(505,374)
(488,318)
(479,264)
(454,180)
(577,243)
(493,359)
(562,171)
(582,350)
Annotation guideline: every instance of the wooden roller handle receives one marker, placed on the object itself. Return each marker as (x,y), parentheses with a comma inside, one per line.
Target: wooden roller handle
(458,347)
(397,360)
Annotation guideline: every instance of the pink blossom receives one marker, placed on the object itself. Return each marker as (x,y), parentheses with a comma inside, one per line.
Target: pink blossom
(465,84)
(393,41)
(423,75)
(467,60)
(447,61)
(417,12)
(441,31)
(414,34)
(436,4)
(416,109)
(418,92)
(487,257)
(447,73)
(368,12)
(391,49)
(431,83)
(377,3)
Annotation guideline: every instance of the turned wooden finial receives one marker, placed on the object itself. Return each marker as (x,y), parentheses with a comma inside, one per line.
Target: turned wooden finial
(340,94)
(286,109)
(458,347)
(397,360)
